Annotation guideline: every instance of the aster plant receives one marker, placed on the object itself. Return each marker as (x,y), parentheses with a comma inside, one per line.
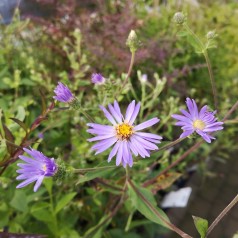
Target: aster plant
(123,135)
(35,169)
(63,93)
(202,122)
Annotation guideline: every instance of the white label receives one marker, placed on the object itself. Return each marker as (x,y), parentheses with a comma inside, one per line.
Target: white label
(177,198)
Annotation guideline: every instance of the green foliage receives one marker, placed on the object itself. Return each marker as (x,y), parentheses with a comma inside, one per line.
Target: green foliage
(201,225)
(166,71)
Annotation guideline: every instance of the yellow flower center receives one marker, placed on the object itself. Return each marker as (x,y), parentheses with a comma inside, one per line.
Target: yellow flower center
(124,131)
(199,124)
(44,167)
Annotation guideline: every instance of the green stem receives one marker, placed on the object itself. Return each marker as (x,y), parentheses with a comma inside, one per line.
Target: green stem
(214,91)
(91,169)
(128,73)
(222,214)
(160,217)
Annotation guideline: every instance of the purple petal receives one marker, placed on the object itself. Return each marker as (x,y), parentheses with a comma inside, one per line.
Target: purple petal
(38,183)
(134,114)
(26,182)
(114,113)
(204,136)
(182,118)
(119,153)
(108,115)
(113,151)
(146,124)
(106,146)
(96,138)
(186,133)
(129,111)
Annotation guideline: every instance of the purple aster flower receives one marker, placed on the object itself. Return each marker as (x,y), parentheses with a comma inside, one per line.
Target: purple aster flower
(97,79)
(202,122)
(123,135)
(63,94)
(35,168)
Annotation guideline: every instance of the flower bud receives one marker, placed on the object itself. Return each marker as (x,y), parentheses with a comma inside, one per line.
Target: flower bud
(211,35)
(132,41)
(179,18)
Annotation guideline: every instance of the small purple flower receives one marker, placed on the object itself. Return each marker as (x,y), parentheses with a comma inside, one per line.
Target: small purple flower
(124,135)
(97,79)
(202,122)
(63,94)
(35,168)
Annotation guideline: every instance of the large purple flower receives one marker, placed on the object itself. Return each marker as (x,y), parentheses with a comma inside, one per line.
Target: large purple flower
(123,134)
(63,94)
(202,122)
(35,168)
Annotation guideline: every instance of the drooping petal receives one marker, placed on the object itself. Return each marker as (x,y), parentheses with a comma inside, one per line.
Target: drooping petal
(186,133)
(38,183)
(113,151)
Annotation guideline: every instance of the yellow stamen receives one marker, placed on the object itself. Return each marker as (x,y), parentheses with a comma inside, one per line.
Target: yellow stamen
(124,131)
(199,124)
(44,167)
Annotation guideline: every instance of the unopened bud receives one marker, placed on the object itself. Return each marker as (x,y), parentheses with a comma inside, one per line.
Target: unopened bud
(179,18)
(211,35)
(132,41)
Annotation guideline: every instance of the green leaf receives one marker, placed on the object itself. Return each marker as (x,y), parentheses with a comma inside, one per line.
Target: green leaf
(48,184)
(98,172)
(43,215)
(64,201)
(201,226)
(144,201)
(20,123)
(19,201)
(195,43)
(9,137)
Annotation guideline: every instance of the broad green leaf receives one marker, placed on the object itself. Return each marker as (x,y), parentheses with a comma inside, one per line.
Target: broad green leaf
(144,201)
(42,215)
(19,201)
(64,201)
(201,225)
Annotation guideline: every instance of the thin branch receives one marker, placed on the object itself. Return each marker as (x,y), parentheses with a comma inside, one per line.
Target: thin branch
(222,214)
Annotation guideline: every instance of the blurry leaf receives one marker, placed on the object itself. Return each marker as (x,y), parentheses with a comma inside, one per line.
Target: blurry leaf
(182,33)
(164,181)
(48,184)
(43,215)
(144,201)
(64,201)
(20,123)
(19,201)
(197,45)
(39,206)
(21,113)
(96,231)
(9,136)
(97,173)
(43,104)
(201,225)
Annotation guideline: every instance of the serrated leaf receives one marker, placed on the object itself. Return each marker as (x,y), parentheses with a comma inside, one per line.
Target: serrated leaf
(64,201)
(20,123)
(201,226)
(144,201)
